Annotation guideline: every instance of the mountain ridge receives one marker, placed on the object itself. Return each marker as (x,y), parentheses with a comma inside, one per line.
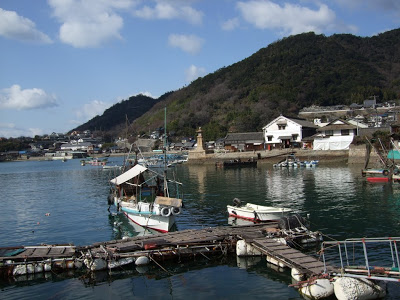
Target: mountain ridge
(282,78)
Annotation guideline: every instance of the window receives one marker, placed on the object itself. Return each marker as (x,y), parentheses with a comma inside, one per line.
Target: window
(345,132)
(269,138)
(281,127)
(294,137)
(328,132)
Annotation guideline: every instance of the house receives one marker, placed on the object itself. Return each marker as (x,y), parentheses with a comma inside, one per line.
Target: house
(246,141)
(77,146)
(284,132)
(337,135)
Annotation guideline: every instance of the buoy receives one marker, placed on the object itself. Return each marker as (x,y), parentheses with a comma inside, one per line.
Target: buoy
(275,262)
(296,275)
(318,289)
(142,260)
(244,249)
(19,270)
(96,264)
(39,267)
(358,288)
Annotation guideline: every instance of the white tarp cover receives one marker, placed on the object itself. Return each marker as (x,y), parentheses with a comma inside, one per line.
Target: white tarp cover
(333,143)
(133,172)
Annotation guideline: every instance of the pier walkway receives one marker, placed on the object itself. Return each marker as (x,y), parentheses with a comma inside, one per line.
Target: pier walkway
(187,243)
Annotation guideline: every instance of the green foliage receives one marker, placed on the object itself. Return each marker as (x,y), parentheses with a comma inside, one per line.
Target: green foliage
(14,144)
(289,74)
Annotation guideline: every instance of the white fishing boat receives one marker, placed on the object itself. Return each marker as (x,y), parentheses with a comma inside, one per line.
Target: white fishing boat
(145,197)
(258,213)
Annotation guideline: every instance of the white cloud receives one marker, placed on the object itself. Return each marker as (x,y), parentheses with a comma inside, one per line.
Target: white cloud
(168,10)
(90,110)
(8,130)
(188,43)
(288,18)
(194,72)
(230,24)
(16,27)
(89,23)
(15,98)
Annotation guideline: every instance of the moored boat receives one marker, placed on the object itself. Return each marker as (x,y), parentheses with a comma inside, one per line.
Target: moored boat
(258,213)
(237,163)
(145,197)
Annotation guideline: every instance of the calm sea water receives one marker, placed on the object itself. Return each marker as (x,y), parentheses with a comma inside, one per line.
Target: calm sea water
(54,202)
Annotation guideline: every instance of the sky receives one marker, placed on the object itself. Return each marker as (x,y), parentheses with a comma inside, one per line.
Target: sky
(62,62)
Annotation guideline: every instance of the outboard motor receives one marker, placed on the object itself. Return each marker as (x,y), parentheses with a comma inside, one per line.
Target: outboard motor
(292,221)
(110,199)
(237,202)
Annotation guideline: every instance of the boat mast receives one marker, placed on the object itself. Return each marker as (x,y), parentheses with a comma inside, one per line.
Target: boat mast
(166,193)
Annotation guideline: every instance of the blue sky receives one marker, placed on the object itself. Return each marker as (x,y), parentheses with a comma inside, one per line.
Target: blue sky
(63,62)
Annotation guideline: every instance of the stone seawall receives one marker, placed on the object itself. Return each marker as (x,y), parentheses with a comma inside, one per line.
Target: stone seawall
(274,156)
(355,155)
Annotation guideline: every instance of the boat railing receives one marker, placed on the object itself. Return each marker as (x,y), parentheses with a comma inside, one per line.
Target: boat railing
(373,258)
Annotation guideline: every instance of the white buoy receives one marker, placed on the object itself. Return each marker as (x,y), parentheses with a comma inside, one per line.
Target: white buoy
(19,270)
(275,262)
(297,275)
(358,288)
(244,249)
(96,264)
(142,260)
(319,289)
(39,268)
(241,249)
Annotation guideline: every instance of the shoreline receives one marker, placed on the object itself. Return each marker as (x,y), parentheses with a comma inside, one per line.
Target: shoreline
(355,155)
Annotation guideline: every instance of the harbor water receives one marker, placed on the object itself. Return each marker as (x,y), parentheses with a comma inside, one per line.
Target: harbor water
(55,202)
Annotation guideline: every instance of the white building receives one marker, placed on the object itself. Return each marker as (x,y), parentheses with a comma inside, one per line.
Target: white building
(337,135)
(286,132)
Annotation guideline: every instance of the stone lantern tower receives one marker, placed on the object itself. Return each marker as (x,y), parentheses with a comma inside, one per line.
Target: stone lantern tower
(199,152)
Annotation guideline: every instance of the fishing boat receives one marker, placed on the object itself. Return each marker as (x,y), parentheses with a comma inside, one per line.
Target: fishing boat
(257,213)
(145,197)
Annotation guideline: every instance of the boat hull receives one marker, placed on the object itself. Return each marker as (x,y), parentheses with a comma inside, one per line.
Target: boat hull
(158,223)
(258,213)
(378,179)
(147,216)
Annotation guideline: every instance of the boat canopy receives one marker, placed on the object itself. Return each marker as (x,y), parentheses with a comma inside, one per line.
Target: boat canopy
(131,173)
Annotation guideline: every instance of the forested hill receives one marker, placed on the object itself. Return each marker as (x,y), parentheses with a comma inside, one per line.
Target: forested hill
(289,74)
(117,117)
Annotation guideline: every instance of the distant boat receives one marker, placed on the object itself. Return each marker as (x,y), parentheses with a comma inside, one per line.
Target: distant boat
(292,161)
(94,162)
(237,163)
(258,213)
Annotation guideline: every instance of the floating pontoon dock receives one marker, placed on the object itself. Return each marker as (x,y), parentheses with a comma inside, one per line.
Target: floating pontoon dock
(180,244)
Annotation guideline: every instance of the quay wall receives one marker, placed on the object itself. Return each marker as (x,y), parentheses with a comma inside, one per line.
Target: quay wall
(355,155)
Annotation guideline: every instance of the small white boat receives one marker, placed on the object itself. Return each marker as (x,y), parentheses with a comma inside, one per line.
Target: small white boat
(256,212)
